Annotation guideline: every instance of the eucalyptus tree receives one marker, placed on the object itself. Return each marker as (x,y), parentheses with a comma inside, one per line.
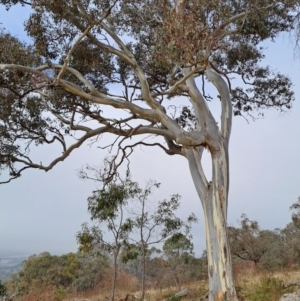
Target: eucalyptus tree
(291,235)
(178,246)
(250,242)
(121,67)
(179,252)
(154,223)
(107,208)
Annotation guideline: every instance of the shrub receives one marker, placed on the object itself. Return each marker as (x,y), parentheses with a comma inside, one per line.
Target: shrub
(2,289)
(268,289)
(59,294)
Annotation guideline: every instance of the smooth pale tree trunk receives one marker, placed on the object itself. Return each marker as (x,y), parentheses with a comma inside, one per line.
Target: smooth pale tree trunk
(143,273)
(214,194)
(114,275)
(214,198)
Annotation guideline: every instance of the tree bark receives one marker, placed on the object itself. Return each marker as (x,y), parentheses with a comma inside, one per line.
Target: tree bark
(143,273)
(214,199)
(115,274)
(214,194)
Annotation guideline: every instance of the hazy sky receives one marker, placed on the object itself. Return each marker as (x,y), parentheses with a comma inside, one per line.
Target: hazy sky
(43,211)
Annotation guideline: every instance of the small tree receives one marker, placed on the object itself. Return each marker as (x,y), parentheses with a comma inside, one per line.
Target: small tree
(152,224)
(291,238)
(249,242)
(291,235)
(106,207)
(178,245)
(178,250)
(155,223)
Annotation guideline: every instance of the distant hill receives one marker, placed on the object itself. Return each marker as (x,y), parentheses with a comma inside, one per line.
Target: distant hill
(10,265)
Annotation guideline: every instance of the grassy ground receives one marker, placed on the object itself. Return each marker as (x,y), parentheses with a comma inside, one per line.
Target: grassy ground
(251,283)
(255,285)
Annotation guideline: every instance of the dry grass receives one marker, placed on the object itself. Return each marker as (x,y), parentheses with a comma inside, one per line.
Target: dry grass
(129,285)
(251,282)
(247,278)
(198,288)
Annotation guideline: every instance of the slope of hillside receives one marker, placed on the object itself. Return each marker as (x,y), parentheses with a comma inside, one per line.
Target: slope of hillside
(10,265)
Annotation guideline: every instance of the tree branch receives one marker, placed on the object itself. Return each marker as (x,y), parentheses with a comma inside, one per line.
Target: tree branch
(194,158)
(226,114)
(180,82)
(204,117)
(66,61)
(129,58)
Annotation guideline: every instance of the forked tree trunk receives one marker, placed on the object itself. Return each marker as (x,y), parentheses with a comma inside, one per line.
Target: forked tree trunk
(214,197)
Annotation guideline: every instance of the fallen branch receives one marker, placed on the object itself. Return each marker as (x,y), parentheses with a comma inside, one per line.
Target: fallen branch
(8,298)
(180,294)
(293,283)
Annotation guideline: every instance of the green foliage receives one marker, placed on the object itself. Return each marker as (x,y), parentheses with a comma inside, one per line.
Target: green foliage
(2,289)
(164,42)
(151,223)
(91,271)
(291,237)
(50,269)
(68,271)
(129,252)
(62,84)
(264,247)
(59,294)
(89,238)
(178,250)
(268,289)
(106,206)
(268,249)
(177,246)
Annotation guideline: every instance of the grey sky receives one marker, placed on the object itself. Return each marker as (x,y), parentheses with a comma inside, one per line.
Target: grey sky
(43,211)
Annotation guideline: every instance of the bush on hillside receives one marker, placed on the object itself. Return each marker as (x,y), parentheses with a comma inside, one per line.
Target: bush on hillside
(2,289)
